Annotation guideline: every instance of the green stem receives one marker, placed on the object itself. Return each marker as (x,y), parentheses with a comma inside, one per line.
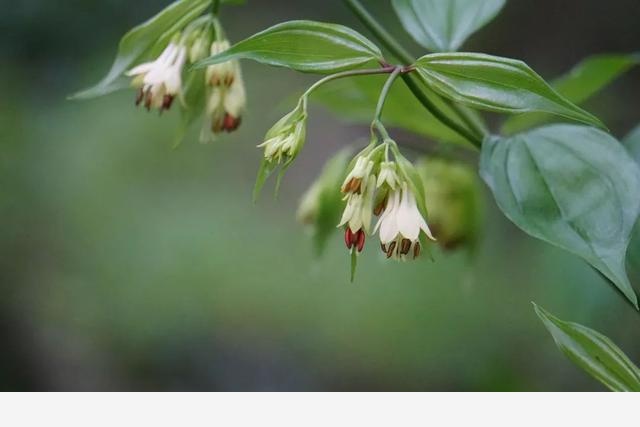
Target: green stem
(402,54)
(385,92)
(215,7)
(380,32)
(353,73)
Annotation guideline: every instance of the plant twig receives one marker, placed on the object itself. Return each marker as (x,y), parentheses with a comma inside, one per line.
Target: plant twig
(215,7)
(385,92)
(412,83)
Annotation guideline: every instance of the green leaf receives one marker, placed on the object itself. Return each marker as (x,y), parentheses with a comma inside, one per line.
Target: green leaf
(496,84)
(632,142)
(355,100)
(330,204)
(138,42)
(572,186)
(444,25)
(585,80)
(193,105)
(305,46)
(592,352)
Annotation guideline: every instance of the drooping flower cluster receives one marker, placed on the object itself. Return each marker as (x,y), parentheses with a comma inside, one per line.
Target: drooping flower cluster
(227,98)
(160,81)
(382,188)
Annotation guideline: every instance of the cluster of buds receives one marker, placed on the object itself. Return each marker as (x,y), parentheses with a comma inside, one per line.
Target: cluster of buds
(455,202)
(159,82)
(286,138)
(376,187)
(227,96)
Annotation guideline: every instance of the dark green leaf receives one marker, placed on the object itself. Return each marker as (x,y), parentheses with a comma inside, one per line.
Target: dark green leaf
(306,46)
(138,42)
(592,352)
(355,99)
(572,186)
(632,142)
(580,84)
(496,84)
(444,25)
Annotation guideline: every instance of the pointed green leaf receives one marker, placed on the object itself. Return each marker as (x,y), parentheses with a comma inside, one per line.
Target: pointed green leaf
(306,46)
(444,25)
(138,42)
(264,172)
(572,186)
(592,352)
(496,84)
(585,80)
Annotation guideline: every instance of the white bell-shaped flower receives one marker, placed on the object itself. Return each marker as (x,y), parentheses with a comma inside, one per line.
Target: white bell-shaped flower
(401,223)
(160,81)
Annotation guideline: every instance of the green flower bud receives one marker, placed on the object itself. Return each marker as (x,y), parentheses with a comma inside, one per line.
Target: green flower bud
(453,197)
(286,138)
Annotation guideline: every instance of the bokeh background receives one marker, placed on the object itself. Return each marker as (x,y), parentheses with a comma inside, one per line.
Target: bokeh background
(126,265)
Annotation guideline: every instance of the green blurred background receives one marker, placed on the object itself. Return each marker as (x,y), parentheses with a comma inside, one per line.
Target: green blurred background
(126,265)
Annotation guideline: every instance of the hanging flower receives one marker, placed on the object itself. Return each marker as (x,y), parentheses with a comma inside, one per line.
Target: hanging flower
(357,215)
(226,106)
(160,81)
(224,73)
(400,225)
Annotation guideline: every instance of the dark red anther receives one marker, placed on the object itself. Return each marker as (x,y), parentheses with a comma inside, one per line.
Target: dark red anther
(383,247)
(381,207)
(405,247)
(147,101)
(167,102)
(139,97)
(416,250)
(392,247)
(347,238)
(230,123)
(353,186)
(360,239)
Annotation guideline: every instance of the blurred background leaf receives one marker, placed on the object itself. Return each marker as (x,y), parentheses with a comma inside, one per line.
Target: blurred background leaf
(585,80)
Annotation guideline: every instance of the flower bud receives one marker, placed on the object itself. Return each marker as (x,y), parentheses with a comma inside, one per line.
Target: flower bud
(225,73)
(199,48)
(286,138)
(453,196)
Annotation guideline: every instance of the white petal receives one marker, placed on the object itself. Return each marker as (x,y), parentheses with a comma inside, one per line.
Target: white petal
(408,216)
(141,69)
